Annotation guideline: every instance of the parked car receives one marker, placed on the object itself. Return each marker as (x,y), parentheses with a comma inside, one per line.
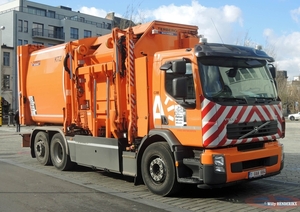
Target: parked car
(294,116)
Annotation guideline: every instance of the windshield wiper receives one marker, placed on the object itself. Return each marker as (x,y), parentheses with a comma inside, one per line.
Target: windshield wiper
(231,99)
(263,99)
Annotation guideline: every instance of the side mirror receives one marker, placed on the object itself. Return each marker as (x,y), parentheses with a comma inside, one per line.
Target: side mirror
(179,87)
(179,67)
(272,70)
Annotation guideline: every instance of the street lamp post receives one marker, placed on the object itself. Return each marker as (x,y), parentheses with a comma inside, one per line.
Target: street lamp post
(1,65)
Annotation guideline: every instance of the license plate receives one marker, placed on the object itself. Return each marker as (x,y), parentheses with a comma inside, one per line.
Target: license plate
(257,173)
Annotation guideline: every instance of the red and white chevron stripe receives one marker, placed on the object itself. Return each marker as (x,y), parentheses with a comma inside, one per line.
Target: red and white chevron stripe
(215,117)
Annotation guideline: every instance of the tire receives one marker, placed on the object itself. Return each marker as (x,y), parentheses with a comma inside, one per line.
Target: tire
(158,170)
(41,148)
(292,118)
(59,156)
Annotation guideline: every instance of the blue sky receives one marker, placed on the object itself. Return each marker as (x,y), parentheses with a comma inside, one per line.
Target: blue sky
(274,24)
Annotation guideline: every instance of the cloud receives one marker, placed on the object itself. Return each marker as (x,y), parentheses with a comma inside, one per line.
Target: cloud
(4,1)
(93,11)
(291,65)
(287,48)
(232,14)
(217,24)
(295,14)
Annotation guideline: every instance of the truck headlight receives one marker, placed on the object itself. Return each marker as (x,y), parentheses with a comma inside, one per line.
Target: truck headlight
(219,163)
(218,160)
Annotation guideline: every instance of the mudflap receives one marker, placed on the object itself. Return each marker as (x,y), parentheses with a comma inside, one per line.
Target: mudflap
(25,140)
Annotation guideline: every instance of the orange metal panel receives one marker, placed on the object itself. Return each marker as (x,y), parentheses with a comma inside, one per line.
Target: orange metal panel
(45,84)
(142,90)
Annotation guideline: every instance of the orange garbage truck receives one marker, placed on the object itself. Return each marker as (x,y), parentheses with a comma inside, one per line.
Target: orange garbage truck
(155,102)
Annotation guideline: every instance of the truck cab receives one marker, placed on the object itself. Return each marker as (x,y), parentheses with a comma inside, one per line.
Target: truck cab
(221,104)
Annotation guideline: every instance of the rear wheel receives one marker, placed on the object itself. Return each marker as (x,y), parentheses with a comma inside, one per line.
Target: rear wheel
(41,148)
(292,118)
(59,156)
(158,169)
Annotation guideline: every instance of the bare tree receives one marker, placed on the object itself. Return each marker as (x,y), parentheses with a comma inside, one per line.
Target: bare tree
(130,18)
(283,91)
(132,13)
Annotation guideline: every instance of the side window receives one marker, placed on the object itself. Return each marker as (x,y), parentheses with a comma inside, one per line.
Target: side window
(6,58)
(74,33)
(191,88)
(168,81)
(190,99)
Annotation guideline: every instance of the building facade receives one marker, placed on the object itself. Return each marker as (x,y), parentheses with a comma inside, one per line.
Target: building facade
(7,78)
(28,22)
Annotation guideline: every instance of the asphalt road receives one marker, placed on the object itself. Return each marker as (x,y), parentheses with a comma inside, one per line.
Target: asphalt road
(102,191)
(26,187)
(25,190)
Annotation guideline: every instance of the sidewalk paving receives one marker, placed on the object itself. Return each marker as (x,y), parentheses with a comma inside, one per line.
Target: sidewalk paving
(10,128)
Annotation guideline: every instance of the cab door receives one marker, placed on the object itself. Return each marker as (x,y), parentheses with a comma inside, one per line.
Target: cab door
(180,112)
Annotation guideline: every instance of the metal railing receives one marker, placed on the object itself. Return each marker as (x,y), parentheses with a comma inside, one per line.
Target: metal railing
(46,33)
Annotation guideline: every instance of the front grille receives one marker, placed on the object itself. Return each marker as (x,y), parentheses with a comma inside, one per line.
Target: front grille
(255,163)
(235,131)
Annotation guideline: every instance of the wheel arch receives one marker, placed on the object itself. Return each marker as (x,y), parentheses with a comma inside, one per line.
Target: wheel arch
(51,132)
(155,135)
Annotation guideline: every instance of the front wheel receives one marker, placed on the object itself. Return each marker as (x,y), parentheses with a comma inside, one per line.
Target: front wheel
(158,169)
(59,156)
(292,118)
(41,148)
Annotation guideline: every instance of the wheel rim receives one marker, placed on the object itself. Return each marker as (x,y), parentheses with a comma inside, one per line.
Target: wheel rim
(40,148)
(157,170)
(58,153)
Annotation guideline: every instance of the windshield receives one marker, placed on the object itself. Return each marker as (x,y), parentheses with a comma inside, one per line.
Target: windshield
(236,78)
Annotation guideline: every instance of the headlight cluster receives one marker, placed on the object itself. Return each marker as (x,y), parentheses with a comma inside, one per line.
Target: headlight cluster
(219,163)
